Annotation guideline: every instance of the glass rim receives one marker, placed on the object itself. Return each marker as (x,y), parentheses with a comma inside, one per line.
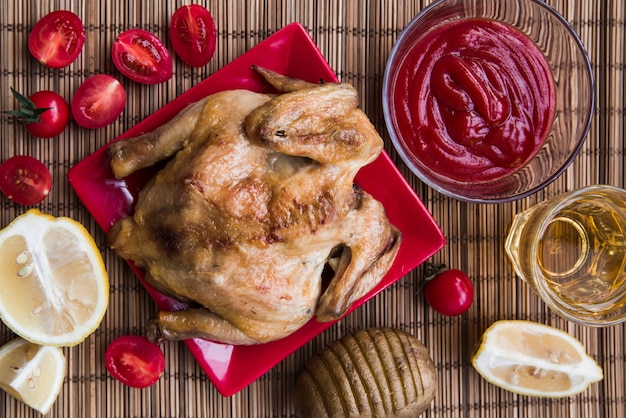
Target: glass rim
(396,137)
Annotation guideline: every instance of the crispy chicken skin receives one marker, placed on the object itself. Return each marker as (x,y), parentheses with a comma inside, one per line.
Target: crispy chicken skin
(258,198)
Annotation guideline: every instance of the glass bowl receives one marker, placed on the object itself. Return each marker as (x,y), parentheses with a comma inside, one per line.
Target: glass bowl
(573,79)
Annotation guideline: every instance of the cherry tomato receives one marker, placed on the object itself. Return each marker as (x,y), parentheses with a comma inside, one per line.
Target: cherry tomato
(134,361)
(449,292)
(192,32)
(25,180)
(57,39)
(45,114)
(142,57)
(98,101)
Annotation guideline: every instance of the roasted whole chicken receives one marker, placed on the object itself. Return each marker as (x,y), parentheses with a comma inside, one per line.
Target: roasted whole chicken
(256,208)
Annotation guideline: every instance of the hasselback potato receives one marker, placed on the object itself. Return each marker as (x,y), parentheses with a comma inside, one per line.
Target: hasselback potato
(377,372)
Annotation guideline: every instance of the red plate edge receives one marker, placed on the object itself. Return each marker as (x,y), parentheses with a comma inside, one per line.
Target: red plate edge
(290,51)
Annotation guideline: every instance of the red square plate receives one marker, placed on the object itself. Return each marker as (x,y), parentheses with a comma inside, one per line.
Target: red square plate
(292,52)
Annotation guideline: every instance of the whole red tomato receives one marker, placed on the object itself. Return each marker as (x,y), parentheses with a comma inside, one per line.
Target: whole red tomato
(45,114)
(449,292)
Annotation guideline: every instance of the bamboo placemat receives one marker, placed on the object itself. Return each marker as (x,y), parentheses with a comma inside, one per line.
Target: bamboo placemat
(356,38)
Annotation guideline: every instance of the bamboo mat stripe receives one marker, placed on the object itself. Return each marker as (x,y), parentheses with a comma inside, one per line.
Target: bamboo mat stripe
(356,37)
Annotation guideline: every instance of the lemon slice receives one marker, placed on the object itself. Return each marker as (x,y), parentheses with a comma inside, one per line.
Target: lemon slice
(32,373)
(534,359)
(55,289)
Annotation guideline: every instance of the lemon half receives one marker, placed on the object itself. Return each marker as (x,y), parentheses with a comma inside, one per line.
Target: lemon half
(529,358)
(55,289)
(32,373)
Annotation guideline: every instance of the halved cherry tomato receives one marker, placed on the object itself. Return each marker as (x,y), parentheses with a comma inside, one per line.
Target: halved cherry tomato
(192,32)
(134,361)
(45,114)
(142,57)
(25,180)
(98,101)
(57,39)
(449,292)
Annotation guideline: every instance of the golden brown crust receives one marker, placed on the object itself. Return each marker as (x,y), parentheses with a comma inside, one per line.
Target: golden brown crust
(380,372)
(242,222)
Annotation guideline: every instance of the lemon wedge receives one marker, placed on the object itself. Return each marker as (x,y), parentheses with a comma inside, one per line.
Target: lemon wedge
(32,373)
(534,359)
(55,289)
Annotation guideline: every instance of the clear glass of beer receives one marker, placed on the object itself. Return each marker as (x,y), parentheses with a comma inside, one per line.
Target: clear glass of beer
(571,250)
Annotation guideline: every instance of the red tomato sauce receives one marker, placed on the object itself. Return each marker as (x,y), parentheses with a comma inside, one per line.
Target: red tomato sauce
(477,99)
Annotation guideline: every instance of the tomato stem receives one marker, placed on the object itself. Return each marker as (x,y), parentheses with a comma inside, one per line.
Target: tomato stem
(431,270)
(29,112)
